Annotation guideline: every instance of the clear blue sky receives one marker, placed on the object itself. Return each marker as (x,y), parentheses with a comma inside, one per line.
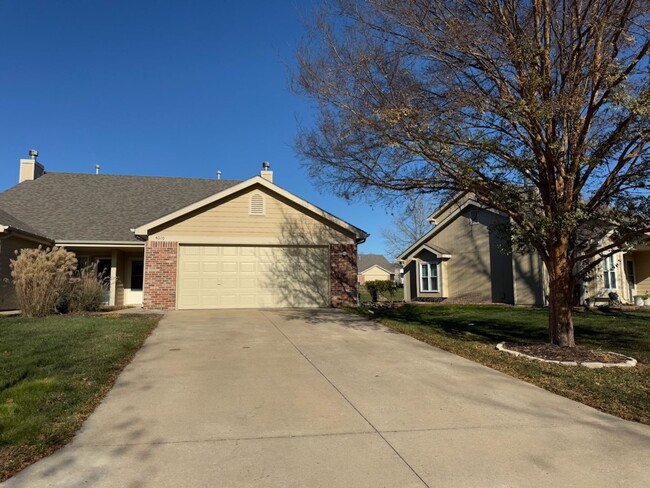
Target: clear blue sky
(159,87)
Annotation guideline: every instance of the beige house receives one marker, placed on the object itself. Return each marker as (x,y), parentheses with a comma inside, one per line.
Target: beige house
(14,235)
(462,260)
(375,267)
(184,243)
(626,273)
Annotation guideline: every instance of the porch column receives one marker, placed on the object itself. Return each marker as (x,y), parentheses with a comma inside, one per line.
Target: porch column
(113,283)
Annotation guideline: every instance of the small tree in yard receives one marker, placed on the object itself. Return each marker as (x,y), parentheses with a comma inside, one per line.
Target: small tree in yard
(41,278)
(540,108)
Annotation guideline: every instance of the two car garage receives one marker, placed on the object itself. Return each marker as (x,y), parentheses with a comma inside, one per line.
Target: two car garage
(252,276)
(253,245)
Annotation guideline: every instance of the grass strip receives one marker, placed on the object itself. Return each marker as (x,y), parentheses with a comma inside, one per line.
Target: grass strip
(54,371)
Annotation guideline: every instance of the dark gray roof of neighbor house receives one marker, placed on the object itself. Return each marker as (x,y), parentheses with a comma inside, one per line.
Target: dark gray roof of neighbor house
(9,220)
(366,261)
(90,207)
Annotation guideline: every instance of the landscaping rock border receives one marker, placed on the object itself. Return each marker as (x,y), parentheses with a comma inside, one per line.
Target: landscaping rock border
(627,362)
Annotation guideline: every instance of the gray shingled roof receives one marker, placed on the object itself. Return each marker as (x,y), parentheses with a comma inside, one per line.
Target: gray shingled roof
(366,261)
(10,221)
(71,206)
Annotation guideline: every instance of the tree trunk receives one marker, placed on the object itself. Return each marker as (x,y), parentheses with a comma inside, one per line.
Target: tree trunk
(560,316)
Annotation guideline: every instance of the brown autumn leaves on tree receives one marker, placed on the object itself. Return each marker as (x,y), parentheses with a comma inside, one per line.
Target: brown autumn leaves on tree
(539,107)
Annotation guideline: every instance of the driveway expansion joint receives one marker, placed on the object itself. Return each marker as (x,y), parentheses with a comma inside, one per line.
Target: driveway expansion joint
(227,439)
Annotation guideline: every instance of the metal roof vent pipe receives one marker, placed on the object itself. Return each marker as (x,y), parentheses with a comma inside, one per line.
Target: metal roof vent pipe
(266,173)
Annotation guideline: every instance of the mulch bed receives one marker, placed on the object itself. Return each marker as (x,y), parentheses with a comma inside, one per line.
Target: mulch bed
(579,354)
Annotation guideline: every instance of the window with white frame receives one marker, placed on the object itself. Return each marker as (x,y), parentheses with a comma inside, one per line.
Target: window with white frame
(429,276)
(609,273)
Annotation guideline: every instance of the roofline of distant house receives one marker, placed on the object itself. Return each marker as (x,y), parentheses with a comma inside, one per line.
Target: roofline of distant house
(376,265)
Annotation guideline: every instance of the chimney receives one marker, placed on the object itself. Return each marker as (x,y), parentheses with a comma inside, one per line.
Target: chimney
(266,173)
(30,169)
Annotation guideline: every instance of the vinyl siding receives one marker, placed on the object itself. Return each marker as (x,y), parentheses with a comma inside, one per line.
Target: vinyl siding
(374,273)
(230,222)
(480,269)
(528,279)
(478,272)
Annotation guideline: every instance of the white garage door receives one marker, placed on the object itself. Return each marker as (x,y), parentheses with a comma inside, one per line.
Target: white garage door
(252,277)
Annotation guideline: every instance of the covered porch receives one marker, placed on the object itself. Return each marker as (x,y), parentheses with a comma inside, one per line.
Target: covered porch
(120,265)
(637,272)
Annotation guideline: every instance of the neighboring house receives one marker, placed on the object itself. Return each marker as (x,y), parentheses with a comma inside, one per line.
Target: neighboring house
(375,267)
(462,259)
(14,235)
(183,243)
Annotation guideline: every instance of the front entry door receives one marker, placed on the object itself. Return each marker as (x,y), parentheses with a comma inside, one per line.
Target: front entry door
(133,292)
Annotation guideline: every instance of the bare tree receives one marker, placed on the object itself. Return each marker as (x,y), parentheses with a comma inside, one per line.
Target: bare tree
(408,225)
(540,108)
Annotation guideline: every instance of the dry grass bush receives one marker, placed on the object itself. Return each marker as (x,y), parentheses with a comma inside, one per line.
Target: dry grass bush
(86,290)
(41,278)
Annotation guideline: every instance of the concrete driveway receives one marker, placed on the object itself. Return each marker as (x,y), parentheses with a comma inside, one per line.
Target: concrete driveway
(298,398)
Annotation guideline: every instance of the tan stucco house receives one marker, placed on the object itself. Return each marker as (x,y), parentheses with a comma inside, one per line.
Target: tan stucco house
(376,267)
(462,260)
(184,243)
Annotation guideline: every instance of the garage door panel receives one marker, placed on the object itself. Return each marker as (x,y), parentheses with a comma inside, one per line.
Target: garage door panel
(210,267)
(191,266)
(229,267)
(250,277)
(248,267)
(228,282)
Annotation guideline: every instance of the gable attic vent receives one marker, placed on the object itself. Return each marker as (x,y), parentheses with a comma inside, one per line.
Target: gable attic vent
(257,204)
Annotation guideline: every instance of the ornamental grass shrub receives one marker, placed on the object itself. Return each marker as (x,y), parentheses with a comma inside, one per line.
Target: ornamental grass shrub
(86,290)
(41,278)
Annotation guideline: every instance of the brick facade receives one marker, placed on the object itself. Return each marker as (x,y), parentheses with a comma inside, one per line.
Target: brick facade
(343,274)
(160,263)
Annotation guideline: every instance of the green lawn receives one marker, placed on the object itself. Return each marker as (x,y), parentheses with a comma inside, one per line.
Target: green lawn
(474,331)
(53,373)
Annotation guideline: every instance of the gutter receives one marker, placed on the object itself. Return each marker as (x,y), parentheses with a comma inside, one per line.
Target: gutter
(125,244)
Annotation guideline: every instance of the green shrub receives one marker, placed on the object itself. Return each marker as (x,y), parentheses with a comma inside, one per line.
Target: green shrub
(387,288)
(41,278)
(86,291)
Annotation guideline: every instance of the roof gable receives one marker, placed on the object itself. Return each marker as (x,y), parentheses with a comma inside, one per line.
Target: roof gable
(442,217)
(257,181)
(375,266)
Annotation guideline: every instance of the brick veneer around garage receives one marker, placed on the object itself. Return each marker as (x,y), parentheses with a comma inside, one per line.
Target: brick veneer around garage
(343,274)
(160,261)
